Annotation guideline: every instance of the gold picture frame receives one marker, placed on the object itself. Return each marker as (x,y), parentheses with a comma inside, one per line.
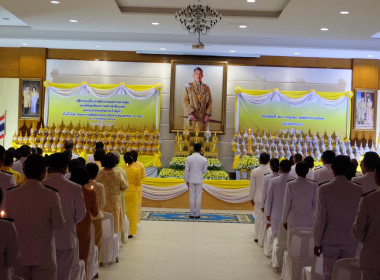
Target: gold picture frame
(30,99)
(214,76)
(364,112)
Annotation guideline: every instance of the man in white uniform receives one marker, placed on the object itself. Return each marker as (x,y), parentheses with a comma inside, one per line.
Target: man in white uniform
(98,145)
(366,230)
(368,165)
(337,205)
(324,174)
(310,161)
(69,147)
(299,202)
(7,180)
(37,212)
(256,186)
(18,166)
(296,159)
(196,166)
(74,210)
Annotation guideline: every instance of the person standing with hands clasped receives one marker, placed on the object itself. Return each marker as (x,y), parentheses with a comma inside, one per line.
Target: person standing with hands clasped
(196,166)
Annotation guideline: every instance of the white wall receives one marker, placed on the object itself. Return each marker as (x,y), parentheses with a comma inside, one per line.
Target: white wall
(9,101)
(248,77)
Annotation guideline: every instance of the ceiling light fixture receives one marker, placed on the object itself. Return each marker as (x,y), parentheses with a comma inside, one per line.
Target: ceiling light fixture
(55,2)
(344,12)
(198,19)
(324,29)
(98,46)
(242,26)
(25,44)
(155,23)
(251,1)
(296,53)
(73,20)
(232,51)
(162,49)
(370,55)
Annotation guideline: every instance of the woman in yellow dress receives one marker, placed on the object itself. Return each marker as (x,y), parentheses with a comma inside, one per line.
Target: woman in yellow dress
(131,194)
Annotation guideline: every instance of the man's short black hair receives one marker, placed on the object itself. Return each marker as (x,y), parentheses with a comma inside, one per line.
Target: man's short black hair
(34,167)
(274,164)
(82,161)
(310,161)
(135,155)
(128,158)
(9,158)
(69,145)
(99,154)
(80,176)
(351,172)
(264,158)
(33,151)
(198,69)
(2,153)
(109,161)
(285,165)
(197,147)
(302,168)
(58,161)
(24,151)
(369,161)
(291,159)
(341,164)
(99,145)
(39,151)
(328,156)
(92,169)
(72,164)
(297,158)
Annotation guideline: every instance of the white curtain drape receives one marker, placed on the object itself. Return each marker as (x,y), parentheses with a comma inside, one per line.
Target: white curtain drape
(164,193)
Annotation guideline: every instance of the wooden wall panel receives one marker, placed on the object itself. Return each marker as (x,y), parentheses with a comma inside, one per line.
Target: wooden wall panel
(365,74)
(9,62)
(32,63)
(260,61)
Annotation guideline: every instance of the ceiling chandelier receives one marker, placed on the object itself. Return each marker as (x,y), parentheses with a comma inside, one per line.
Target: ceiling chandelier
(198,19)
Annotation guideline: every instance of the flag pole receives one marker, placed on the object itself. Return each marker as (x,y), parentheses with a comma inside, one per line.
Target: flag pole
(5,126)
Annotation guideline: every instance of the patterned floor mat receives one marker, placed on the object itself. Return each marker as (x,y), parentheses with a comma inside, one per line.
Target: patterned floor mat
(205,217)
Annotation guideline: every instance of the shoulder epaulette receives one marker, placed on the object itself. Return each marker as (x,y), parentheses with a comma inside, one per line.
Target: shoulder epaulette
(356,183)
(323,183)
(313,181)
(318,167)
(11,188)
(53,189)
(364,194)
(187,85)
(290,180)
(7,219)
(7,172)
(266,173)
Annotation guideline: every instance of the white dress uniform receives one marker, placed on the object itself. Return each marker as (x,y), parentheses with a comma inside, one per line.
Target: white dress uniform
(74,210)
(265,189)
(37,212)
(292,171)
(196,166)
(256,186)
(91,159)
(337,205)
(367,182)
(7,180)
(9,248)
(275,200)
(18,166)
(310,174)
(366,229)
(323,174)
(299,203)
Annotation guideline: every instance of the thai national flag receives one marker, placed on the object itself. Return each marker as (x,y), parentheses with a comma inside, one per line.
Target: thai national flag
(2,126)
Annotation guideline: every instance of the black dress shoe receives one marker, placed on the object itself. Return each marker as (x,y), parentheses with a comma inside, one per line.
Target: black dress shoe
(256,240)
(197,217)
(191,217)
(130,236)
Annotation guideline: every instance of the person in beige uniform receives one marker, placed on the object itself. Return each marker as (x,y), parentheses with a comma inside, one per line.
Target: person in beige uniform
(366,230)
(197,102)
(37,212)
(368,165)
(27,99)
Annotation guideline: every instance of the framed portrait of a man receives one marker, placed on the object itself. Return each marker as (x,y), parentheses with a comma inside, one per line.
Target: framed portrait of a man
(30,98)
(365,109)
(198,96)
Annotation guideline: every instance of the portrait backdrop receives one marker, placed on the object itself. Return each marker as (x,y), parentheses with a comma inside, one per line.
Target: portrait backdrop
(30,100)
(365,109)
(214,76)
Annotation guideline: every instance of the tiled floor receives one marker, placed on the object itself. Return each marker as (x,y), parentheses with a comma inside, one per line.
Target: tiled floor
(197,251)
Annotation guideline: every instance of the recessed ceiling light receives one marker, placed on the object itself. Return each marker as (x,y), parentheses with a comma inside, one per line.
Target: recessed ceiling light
(96,59)
(370,55)
(242,26)
(6,18)
(296,53)
(73,20)
(344,12)
(155,23)
(55,2)
(162,49)
(324,29)
(24,44)
(232,51)
(98,46)
(251,1)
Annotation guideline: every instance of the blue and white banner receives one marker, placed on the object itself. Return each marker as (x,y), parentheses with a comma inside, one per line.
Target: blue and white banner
(2,126)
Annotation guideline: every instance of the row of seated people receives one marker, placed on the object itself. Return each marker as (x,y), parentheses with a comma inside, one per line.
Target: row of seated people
(48,219)
(340,209)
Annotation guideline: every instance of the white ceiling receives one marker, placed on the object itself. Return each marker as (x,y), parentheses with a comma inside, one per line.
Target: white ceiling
(279,27)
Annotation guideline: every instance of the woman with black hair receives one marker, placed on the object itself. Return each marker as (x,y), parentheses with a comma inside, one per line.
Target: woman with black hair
(80,176)
(131,194)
